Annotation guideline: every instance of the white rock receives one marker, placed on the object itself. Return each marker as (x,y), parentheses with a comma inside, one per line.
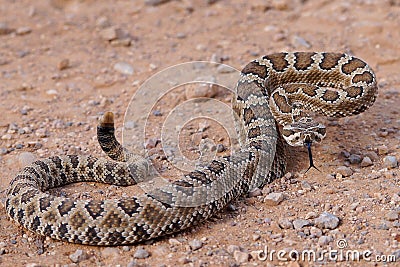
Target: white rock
(141,253)
(344,171)
(324,240)
(327,221)
(78,256)
(195,244)
(366,162)
(274,199)
(390,162)
(300,223)
(241,257)
(124,68)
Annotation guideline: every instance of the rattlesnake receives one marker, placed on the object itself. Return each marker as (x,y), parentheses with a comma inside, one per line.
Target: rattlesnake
(276,88)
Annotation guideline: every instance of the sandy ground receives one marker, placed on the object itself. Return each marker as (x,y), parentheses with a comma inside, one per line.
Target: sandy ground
(60,68)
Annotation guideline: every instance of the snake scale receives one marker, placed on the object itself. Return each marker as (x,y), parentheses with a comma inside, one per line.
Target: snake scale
(275,89)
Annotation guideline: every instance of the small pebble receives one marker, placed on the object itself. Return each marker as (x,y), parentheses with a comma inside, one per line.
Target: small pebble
(392,216)
(52,92)
(315,231)
(383,226)
(4,29)
(195,244)
(157,112)
(311,215)
(121,42)
(151,143)
(63,64)
(78,256)
(344,171)
(23,30)
(366,162)
(383,150)
(355,159)
(324,240)
(103,22)
(225,69)
(327,221)
(372,155)
(299,41)
(232,248)
(255,193)
(241,257)
(141,253)
(126,248)
(273,199)
(390,162)
(306,185)
(199,90)
(285,223)
(3,151)
(123,68)
(220,148)
(300,223)
(41,132)
(181,35)
(109,34)
(6,137)
(174,241)
(155,2)
(395,198)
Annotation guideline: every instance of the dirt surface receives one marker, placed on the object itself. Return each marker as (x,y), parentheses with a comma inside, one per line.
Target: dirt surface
(63,63)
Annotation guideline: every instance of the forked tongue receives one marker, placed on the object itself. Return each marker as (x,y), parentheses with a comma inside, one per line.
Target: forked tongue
(308,145)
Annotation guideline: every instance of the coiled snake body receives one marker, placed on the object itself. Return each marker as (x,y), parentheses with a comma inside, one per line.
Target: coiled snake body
(275,88)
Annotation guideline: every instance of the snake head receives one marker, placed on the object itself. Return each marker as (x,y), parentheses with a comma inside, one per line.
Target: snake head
(304,132)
